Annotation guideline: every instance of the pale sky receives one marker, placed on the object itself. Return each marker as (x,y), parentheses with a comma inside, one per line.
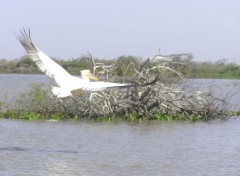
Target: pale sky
(66,29)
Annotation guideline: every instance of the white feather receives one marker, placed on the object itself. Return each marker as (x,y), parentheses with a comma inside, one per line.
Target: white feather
(67,83)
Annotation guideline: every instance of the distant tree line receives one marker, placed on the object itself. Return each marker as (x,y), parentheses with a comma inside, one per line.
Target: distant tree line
(123,66)
(219,69)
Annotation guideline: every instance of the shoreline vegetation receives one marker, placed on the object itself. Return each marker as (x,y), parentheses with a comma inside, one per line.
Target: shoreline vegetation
(221,69)
(156,93)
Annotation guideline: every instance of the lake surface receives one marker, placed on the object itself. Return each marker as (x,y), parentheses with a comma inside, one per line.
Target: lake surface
(11,85)
(150,148)
(122,148)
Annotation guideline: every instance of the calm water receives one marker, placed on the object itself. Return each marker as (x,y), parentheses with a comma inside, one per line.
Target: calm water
(11,85)
(88,148)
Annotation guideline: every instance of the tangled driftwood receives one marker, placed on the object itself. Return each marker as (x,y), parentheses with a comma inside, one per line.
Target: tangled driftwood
(157,90)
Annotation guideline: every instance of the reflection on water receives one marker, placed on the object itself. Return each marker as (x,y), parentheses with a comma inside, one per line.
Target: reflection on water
(150,148)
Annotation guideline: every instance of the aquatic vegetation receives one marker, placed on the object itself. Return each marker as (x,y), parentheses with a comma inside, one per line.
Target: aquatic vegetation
(158,94)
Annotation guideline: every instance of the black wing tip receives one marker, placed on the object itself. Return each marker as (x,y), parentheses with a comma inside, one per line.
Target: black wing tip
(24,35)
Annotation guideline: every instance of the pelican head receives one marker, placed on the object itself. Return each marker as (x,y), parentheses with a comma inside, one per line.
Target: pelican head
(87,75)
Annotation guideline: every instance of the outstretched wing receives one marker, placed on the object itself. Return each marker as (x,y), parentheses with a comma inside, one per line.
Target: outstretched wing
(97,86)
(44,63)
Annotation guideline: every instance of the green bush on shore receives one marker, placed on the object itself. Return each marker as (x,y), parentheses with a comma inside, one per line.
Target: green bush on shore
(191,69)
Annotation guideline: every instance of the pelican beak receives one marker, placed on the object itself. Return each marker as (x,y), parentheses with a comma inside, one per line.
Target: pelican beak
(92,77)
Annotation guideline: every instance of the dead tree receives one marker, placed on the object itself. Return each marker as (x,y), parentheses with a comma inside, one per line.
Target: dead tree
(157,90)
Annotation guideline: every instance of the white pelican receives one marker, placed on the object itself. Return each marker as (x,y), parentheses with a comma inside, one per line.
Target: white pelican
(87,75)
(68,85)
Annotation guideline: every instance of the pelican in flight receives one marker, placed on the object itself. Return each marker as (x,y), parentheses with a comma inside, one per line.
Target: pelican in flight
(87,75)
(68,85)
